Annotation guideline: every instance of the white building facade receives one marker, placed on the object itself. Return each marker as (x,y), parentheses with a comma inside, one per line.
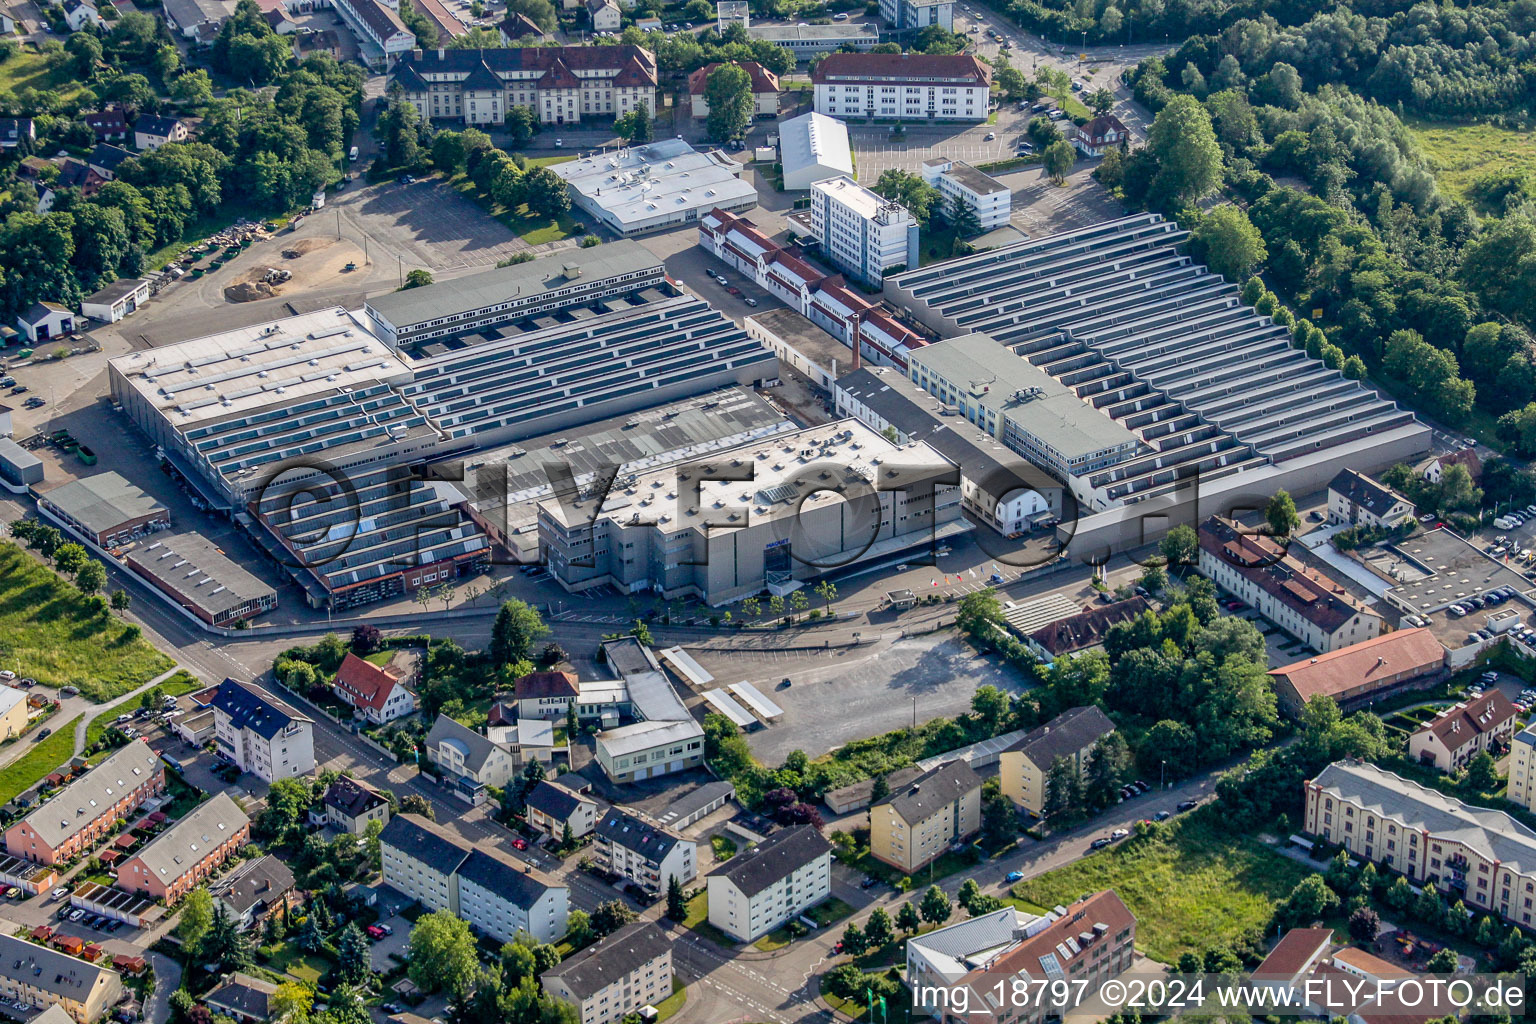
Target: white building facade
(261,734)
(862,233)
(903,86)
(958,182)
(777,881)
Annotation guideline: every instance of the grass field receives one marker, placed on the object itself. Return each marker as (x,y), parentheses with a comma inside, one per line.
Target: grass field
(530,227)
(1194,887)
(44,757)
(48,631)
(1462,153)
(28,69)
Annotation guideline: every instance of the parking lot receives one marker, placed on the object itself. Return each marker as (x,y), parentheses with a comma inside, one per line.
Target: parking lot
(861,691)
(424,224)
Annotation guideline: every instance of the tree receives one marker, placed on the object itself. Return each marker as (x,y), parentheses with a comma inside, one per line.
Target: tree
(518,626)
(878,929)
(921,199)
(417,279)
(192,87)
(91,578)
(1229,243)
(442,954)
(1364,925)
(635,126)
(962,218)
(120,600)
(545,192)
(677,905)
(1310,900)
(728,91)
(1059,158)
(68,558)
(352,963)
(196,919)
(1443,962)
(1101,101)
(1181,547)
(855,943)
(969,892)
(990,705)
(1183,148)
(291,1002)
(998,819)
(1108,763)
(609,917)
(907,919)
(415,803)
(827,591)
(398,128)
(521,124)
(578,928)
(1482,773)
(1063,791)
(935,907)
(1281,515)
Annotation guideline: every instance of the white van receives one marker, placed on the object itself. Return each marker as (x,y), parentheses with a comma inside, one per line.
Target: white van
(352,156)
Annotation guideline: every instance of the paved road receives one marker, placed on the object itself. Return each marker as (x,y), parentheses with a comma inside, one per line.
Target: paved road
(167,980)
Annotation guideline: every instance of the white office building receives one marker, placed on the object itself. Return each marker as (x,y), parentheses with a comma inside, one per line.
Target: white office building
(959,182)
(863,234)
(903,86)
(776,881)
(638,189)
(914,15)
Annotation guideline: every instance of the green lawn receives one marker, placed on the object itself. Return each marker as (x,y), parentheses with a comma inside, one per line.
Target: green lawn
(1196,886)
(46,755)
(289,959)
(28,69)
(1461,153)
(49,632)
(530,227)
(674,1002)
(698,920)
(723,846)
(826,913)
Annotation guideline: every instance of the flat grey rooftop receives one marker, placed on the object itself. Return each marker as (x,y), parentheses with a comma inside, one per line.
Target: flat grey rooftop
(806,338)
(102,502)
(505,284)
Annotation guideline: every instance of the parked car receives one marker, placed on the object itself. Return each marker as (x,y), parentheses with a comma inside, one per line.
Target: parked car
(76,914)
(59,893)
(1162,816)
(375,932)
(1119,833)
(1013,876)
(519,843)
(1188,805)
(1100,843)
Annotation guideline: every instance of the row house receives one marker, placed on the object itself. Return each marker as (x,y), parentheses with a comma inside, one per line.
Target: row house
(188,852)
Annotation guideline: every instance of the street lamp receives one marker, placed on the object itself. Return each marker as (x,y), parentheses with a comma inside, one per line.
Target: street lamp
(1161,774)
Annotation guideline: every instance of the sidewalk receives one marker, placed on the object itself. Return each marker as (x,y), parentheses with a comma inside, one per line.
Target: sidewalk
(100,709)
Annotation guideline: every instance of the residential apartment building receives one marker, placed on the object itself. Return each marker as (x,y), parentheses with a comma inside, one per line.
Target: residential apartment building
(492,892)
(43,977)
(768,884)
(261,734)
(552,806)
(544,694)
(1023,767)
(1358,500)
(491,298)
(1085,944)
(470,761)
(13,713)
(376,693)
(88,809)
(1364,671)
(254,891)
(1484,857)
(643,852)
(350,805)
(962,185)
(1522,767)
(903,86)
(616,976)
(560,84)
(1462,731)
(915,825)
(191,850)
(1295,595)
(915,15)
(765,89)
(864,234)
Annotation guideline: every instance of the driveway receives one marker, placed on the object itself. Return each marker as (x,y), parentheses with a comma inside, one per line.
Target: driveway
(167,980)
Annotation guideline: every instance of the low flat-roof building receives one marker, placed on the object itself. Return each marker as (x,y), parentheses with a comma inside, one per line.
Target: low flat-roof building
(616,976)
(18,467)
(638,189)
(806,41)
(197,576)
(801,345)
(106,509)
(962,185)
(1364,671)
(813,147)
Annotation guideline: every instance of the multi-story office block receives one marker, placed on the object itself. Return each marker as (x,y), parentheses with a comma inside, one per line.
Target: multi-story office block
(863,234)
(903,86)
(962,185)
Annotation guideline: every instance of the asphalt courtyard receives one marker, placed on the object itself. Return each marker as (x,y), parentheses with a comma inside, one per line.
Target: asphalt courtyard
(839,696)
